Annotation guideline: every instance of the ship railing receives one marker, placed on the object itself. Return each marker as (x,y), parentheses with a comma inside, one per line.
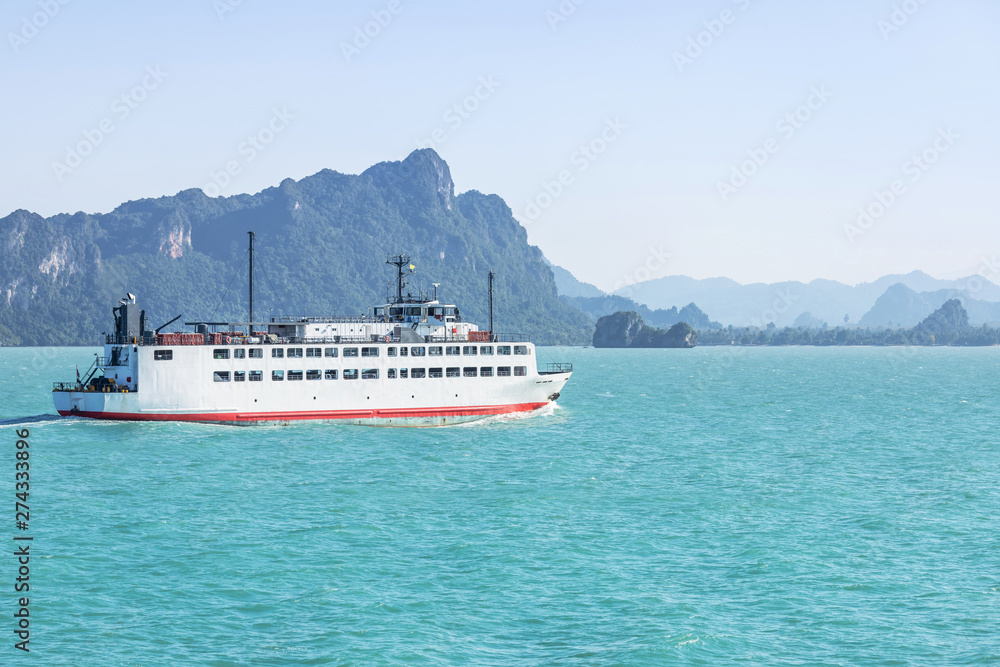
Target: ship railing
(510,338)
(67,386)
(480,337)
(555,368)
(113,339)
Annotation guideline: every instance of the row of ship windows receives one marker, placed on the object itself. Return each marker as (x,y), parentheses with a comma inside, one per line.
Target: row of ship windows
(334,352)
(371,374)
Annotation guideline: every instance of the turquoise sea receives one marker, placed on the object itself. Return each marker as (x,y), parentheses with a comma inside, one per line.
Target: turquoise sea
(715,506)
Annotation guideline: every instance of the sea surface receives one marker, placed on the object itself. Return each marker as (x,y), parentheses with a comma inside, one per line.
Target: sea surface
(715,506)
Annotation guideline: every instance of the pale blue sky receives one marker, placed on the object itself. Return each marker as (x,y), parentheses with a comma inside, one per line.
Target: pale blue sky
(656,184)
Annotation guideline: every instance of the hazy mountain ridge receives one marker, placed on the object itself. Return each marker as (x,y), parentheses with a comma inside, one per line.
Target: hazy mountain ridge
(901,306)
(827,301)
(598,304)
(322,240)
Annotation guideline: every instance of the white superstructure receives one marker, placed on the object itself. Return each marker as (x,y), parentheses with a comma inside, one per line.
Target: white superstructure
(415,362)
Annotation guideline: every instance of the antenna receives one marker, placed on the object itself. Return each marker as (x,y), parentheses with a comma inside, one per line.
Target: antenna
(436,285)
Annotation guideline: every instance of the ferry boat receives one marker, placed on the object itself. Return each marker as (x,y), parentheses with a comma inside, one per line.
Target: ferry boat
(415,362)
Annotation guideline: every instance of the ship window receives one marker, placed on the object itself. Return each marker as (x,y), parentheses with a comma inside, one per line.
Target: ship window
(520,349)
(330,352)
(470,350)
(256,376)
(220,354)
(220,376)
(417,373)
(294,353)
(434,351)
(453,350)
(403,373)
(239,353)
(469,372)
(294,375)
(390,352)
(369,374)
(396,312)
(277,376)
(256,353)
(435,373)
(503,349)
(277,353)
(390,373)
(403,351)
(163,355)
(503,371)
(350,373)
(520,371)
(330,374)
(486,372)
(486,350)
(418,351)
(413,311)
(369,352)
(314,352)
(350,351)
(240,376)
(449,310)
(314,375)
(453,372)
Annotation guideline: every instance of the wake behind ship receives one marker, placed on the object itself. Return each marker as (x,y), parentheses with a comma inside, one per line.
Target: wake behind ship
(414,363)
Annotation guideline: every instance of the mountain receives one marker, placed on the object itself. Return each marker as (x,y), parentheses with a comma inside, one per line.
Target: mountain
(597,304)
(782,303)
(322,242)
(627,329)
(901,306)
(568,285)
(948,325)
(951,317)
(598,307)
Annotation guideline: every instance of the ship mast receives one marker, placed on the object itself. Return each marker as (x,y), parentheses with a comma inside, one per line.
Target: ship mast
(491,304)
(250,332)
(399,261)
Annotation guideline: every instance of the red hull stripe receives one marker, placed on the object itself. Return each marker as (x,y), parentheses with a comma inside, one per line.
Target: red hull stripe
(400,413)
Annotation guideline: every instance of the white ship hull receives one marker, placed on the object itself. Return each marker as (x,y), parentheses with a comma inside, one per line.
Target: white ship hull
(184,388)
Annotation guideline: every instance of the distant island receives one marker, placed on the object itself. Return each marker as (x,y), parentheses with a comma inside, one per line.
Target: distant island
(948,325)
(627,329)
